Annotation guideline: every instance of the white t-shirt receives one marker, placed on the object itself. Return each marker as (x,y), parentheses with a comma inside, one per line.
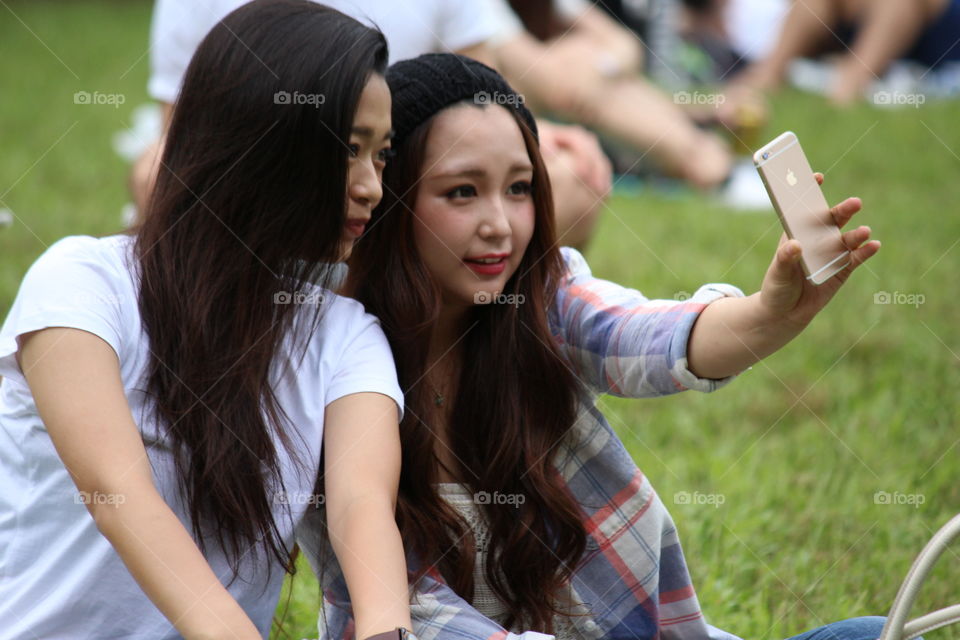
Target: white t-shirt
(753,26)
(412,28)
(61,579)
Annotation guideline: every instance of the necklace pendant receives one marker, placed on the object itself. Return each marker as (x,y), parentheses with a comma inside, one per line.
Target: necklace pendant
(438,399)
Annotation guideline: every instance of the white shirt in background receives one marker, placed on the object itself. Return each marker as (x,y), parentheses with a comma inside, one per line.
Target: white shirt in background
(412,28)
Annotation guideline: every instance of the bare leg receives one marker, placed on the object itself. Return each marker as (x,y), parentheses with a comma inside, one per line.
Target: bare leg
(806,29)
(888,29)
(143,173)
(576,206)
(637,113)
(562,80)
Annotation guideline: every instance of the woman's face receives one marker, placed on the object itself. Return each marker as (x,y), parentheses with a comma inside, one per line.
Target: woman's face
(369,146)
(474,212)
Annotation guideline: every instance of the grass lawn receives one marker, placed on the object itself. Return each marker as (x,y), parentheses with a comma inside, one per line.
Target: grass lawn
(803,476)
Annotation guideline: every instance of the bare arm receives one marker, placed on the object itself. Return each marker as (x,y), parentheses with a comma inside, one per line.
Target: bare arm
(613,37)
(362,471)
(74,377)
(480,52)
(733,333)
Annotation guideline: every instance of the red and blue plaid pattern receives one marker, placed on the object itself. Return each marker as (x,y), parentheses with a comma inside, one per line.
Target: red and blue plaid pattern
(633,581)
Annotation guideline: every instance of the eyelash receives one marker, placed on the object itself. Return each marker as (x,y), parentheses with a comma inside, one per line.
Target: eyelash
(452,193)
(526,186)
(384,155)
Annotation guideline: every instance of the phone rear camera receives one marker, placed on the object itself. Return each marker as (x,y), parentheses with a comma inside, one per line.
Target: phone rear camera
(766,154)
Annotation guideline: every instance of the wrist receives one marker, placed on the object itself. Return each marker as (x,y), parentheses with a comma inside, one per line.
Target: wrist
(775,327)
(400,633)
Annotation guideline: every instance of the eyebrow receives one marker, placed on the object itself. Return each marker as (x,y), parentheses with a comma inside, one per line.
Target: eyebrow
(477,172)
(367,132)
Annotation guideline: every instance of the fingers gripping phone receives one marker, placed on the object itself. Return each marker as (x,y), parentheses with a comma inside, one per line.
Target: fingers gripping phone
(803,211)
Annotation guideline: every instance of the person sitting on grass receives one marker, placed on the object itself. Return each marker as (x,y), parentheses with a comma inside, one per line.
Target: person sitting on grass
(521,511)
(166,393)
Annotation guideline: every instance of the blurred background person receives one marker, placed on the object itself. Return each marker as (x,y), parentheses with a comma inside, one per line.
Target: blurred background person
(573,60)
(579,171)
(869,35)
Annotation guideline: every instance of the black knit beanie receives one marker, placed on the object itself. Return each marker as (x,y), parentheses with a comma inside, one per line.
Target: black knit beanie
(422,86)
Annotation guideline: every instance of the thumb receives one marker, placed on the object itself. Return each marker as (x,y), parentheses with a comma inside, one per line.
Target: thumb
(784,264)
(781,287)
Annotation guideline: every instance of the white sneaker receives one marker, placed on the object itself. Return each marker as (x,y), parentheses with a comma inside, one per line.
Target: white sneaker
(744,190)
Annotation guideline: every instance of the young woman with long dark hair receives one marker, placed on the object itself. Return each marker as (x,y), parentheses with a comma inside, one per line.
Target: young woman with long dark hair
(184,377)
(519,507)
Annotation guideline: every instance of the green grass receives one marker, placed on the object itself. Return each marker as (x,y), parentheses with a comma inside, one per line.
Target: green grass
(797,447)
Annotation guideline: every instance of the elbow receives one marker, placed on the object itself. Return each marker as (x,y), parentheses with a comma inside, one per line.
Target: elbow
(362,511)
(104,507)
(110,504)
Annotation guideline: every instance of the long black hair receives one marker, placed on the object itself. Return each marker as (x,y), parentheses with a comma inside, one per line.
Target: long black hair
(515,403)
(250,201)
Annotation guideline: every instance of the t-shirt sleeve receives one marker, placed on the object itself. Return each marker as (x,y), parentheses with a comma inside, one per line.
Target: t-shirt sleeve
(571,9)
(506,23)
(366,361)
(70,285)
(464,24)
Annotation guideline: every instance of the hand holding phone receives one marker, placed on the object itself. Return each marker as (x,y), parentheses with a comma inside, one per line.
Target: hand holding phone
(788,293)
(801,207)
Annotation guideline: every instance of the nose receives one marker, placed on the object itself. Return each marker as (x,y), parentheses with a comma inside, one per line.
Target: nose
(365,185)
(495,222)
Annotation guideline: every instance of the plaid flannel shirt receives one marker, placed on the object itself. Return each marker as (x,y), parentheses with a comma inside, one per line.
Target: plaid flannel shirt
(633,581)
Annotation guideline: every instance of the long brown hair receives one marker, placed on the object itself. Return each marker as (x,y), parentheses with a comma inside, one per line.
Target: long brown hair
(248,209)
(516,400)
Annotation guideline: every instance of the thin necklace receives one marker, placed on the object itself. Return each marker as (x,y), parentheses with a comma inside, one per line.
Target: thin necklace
(438,398)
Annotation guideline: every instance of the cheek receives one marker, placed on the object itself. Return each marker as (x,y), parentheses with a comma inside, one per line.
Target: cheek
(434,231)
(351,176)
(430,235)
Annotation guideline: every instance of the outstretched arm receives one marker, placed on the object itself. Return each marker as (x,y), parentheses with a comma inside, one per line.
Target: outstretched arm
(732,334)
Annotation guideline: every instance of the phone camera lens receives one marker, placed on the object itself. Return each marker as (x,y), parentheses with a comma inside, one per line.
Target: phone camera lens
(766,154)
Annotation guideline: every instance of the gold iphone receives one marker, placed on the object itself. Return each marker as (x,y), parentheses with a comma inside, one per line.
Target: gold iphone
(803,211)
